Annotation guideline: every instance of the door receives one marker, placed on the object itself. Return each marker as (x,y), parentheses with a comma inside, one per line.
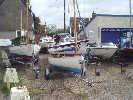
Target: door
(107,37)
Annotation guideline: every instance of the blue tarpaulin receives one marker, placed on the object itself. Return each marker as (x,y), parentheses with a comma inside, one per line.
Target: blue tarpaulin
(113,34)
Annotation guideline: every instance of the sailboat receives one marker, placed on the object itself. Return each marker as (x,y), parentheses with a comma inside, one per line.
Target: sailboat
(24,50)
(69,64)
(67,42)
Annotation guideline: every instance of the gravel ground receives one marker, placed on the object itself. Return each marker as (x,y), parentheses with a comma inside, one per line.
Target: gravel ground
(110,85)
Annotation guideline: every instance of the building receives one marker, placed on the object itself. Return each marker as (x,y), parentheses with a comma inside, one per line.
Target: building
(79,22)
(107,28)
(10,12)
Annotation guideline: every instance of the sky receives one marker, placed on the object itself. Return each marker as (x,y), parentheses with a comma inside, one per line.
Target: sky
(51,11)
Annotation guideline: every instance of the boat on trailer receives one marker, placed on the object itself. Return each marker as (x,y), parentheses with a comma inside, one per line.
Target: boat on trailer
(105,50)
(70,64)
(27,49)
(23,53)
(23,47)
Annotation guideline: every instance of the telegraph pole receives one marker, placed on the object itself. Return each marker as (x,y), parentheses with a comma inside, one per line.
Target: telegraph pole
(21,20)
(27,20)
(130,24)
(75,26)
(64,16)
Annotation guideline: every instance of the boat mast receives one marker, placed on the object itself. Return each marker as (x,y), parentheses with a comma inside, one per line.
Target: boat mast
(69,12)
(75,33)
(130,11)
(64,16)
(21,20)
(27,20)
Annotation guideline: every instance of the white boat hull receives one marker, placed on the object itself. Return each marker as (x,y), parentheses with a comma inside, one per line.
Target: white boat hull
(26,50)
(104,52)
(72,62)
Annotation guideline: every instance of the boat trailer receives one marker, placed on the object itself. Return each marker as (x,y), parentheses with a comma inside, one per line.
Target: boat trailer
(32,61)
(91,59)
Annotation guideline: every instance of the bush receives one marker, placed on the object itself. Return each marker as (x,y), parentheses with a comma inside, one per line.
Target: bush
(16,41)
(4,89)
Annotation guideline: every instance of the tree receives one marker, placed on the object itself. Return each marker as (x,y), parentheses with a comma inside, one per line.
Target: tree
(38,28)
(52,30)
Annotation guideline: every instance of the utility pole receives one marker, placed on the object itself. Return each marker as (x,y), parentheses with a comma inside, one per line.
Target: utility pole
(45,28)
(21,20)
(64,16)
(130,24)
(75,26)
(27,20)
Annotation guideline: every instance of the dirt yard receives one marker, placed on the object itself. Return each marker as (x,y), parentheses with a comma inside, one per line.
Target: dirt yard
(110,85)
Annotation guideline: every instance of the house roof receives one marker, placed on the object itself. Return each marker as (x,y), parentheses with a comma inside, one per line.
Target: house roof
(114,15)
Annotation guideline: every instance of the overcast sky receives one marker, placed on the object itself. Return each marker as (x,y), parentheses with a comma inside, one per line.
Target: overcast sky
(51,11)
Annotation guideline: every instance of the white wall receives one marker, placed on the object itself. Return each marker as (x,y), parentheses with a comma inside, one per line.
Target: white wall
(93,30)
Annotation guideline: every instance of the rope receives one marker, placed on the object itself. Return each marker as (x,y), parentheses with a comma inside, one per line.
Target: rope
(81,19)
